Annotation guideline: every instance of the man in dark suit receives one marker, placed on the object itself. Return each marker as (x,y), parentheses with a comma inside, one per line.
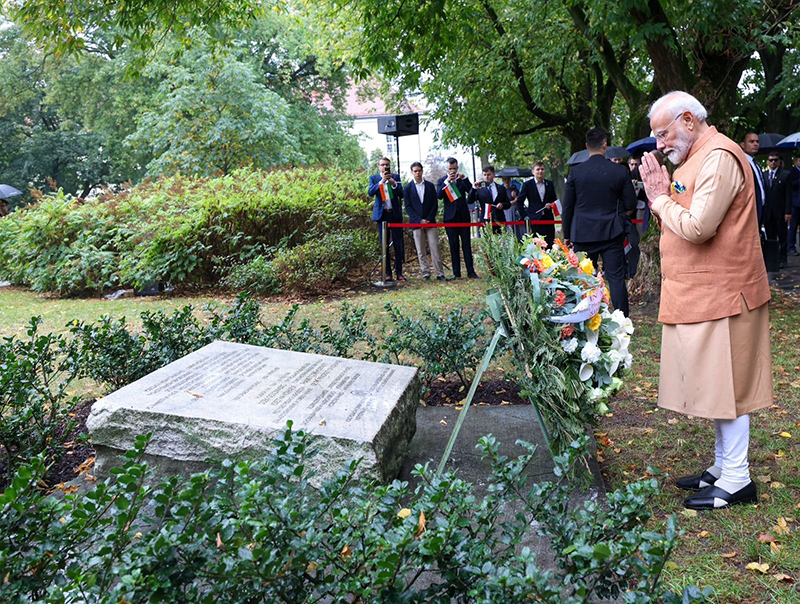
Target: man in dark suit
(540,194)
(388,207)
(750,145)
(596,193)
(794,185)
(777,205)
(453,189)
(421,207)
(490,194)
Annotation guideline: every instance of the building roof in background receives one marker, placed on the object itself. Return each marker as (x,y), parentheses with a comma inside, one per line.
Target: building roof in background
(357,105)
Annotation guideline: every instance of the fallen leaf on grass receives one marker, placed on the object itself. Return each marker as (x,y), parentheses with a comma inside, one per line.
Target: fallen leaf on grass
(689,513)
(404,513)
(777,485)
(672,421)
(703,535)
(785,435)
(775,548)
(781,528)
(765,538)
(765,478)
(729,555)
(761,568)
(782,577)
(671,565)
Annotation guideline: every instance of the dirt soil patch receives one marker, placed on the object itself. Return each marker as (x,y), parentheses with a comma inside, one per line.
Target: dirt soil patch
(490,392)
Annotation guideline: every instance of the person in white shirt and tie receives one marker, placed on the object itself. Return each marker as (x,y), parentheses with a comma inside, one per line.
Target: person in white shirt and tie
(422,205)
(777,205)
(492,196)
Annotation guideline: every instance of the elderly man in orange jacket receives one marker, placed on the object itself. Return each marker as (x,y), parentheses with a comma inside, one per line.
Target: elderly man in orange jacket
(715,351)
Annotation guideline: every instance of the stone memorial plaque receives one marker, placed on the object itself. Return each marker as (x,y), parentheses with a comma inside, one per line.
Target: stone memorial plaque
(228,400)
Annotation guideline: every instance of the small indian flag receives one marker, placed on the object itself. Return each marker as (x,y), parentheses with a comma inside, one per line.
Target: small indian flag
(386,191)
(556,207)
(627,245)
(452,191)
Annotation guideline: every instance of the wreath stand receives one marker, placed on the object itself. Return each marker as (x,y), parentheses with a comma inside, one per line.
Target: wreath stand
(496,307)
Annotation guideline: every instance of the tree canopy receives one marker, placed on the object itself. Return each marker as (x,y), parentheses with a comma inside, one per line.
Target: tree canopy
(76,118)
(498,70)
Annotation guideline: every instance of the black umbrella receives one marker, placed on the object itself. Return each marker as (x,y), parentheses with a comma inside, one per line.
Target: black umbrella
(769,140)
(581,156)
(513,171)
(7,191)
(642,145)
(613,152)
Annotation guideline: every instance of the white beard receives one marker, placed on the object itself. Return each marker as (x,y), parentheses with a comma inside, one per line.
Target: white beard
(677,154)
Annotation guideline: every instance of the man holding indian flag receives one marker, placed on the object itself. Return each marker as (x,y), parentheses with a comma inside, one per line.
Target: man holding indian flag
(454,189)
(388,207)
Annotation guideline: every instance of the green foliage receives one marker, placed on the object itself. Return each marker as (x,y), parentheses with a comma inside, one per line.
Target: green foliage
(183,230)
(34,403)
(260,531)
(315,265)
(214,116)
(444,344)
(256,276)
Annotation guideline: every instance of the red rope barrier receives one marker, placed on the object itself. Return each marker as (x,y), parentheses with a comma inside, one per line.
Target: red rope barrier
(427,225)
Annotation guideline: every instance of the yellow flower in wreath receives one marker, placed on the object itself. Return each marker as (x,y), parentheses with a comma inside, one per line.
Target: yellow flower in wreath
(595,322)
(547,261)
(587,266)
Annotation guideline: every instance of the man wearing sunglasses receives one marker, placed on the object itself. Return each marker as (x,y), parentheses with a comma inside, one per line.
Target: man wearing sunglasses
(778,205)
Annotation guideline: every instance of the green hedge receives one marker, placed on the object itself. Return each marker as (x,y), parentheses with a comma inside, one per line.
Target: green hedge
(176,229)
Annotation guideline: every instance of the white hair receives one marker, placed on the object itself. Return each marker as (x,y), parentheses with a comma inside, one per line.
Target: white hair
(677,102)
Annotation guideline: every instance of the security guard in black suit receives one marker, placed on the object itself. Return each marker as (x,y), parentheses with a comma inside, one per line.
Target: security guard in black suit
(596,193)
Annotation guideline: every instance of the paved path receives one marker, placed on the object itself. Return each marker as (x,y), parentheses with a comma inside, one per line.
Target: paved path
(788,278)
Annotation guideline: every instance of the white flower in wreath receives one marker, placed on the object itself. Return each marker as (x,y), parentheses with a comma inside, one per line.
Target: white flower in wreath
(586,372)
(592,336)
(615,357)
(591,353)
(628,361)
(570,345)
(596,394)
(620,342)
(625,324)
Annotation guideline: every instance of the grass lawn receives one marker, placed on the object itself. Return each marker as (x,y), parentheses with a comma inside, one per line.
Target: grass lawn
(716,547)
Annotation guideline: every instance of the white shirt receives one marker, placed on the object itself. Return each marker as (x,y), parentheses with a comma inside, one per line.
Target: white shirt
(493,189)
(758,178)
(540,188)
(420,189)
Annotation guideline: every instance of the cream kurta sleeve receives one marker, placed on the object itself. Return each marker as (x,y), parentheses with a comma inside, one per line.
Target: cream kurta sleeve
(719,180)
